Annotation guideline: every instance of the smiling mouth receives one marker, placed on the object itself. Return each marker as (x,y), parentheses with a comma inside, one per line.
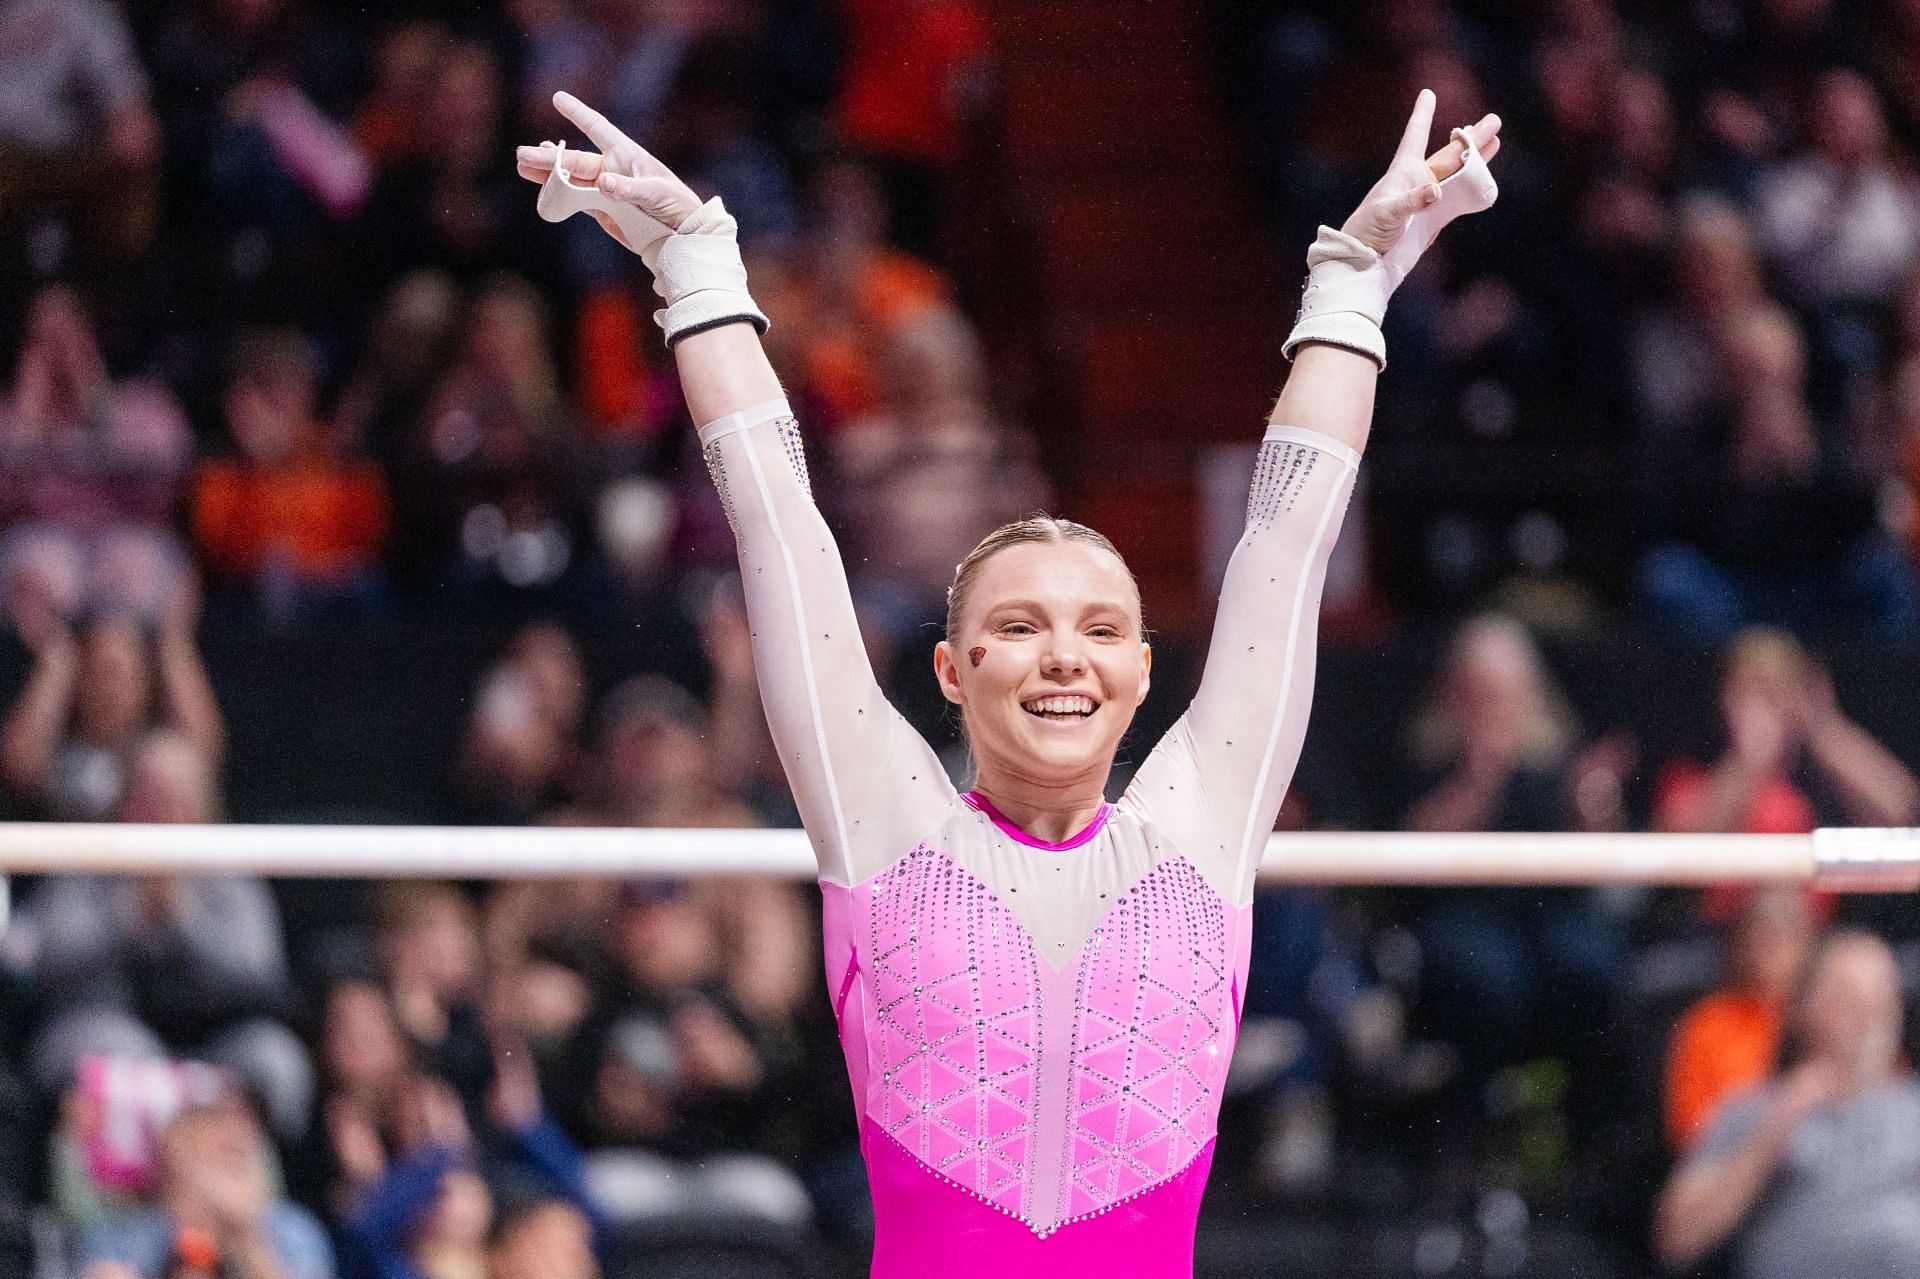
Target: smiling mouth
(1060,707)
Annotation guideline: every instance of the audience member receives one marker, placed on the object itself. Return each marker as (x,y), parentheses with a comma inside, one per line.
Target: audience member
(521,756)
(158,965)
(1816,1172)
(289,526)
(217,1211)
(1497,749)
(75,120)
(1772,527)
(1728,1041)
(67,743)
(90,470)
(1792,758)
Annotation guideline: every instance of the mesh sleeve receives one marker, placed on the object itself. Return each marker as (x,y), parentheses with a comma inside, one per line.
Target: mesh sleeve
(867,786)
(1216,781)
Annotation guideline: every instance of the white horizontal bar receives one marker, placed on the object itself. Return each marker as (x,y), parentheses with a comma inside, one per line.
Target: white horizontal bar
(1853,859)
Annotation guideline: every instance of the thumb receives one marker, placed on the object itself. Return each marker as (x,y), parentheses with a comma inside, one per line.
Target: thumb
(1408,203)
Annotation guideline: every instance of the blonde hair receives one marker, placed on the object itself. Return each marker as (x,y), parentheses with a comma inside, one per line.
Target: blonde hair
(1042,530)
(1551,728)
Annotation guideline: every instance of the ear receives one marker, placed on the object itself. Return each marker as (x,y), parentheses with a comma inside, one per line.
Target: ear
(1146,673)
(946,671)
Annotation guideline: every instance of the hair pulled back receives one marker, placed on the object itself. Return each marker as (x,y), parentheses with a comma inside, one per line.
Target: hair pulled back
(1041,529)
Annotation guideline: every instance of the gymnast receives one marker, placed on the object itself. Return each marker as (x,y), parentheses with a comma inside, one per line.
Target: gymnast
(1037,991)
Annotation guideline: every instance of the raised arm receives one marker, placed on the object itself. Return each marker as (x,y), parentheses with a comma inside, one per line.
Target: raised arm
(1225,766)
(866,784)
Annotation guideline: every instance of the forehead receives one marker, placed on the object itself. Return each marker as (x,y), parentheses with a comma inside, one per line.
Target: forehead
(1058,574)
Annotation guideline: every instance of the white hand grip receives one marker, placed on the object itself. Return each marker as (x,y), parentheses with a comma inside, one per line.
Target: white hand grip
(561,197)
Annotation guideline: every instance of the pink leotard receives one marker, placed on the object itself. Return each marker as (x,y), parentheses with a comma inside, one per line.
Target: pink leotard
(1036,1033)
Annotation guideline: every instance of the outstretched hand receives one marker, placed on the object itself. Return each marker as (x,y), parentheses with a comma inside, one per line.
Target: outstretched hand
(623,170)
(1412,183)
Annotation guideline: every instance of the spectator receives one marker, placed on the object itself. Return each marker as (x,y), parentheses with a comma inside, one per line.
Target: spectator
(1728,1041)
(1818,1170)
(675,1077)
(90,469)
(1678,348)
(432,1215)
(1774,528)
(429,945)
(364,1061)
(1839,218)
(288,526)
(522,755)
(457,205)
(1792,758)
(495,495)
(1496,749)
(217,1211)
(655,764)
(188,965)
(67,743)
(75,120)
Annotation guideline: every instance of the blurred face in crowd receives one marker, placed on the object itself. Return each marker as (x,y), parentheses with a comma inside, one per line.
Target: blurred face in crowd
(115,687)
(664,937)
(1771,944)
(1495,684)
(507,332)
(1048,662)
(1852,1015)
(213,1163)
(361,1049)
(1852,127)
(436,946)
(268,414)
(551,1241)
(169,782)
(651,753)
(1718,266)
(463,115)
(552,666)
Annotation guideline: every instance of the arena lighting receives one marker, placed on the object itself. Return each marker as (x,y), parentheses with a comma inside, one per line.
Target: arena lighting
(1850,860)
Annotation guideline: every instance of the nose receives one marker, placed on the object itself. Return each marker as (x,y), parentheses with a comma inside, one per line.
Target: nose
(1065,658)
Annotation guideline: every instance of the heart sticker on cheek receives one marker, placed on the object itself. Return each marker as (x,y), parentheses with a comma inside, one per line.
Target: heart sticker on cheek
(977,655)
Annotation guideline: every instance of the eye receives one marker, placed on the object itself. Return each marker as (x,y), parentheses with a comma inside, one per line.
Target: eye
(1104,631)
(1015,628)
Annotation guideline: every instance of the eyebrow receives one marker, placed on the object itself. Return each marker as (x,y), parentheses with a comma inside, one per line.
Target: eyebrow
(1037,607)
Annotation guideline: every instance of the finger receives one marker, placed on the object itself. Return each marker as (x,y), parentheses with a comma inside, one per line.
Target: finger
(1486,136)
(1413,143)
(1408,203)
(590,122)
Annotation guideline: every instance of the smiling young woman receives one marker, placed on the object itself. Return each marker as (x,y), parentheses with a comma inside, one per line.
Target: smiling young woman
(1038,991)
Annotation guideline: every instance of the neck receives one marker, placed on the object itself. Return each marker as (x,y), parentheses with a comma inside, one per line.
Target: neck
(1051,813)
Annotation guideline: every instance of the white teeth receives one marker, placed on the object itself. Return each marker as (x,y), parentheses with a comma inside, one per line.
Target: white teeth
(1074,704)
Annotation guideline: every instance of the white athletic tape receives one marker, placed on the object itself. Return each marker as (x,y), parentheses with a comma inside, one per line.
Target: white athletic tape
(1349,284)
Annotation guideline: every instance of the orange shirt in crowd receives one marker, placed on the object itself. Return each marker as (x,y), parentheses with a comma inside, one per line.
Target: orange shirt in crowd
(898,91)
(1777,807)
(324,521)
(1725,1043)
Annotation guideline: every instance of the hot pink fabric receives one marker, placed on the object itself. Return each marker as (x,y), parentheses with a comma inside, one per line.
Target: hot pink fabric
(1012,1108)
(926,1226)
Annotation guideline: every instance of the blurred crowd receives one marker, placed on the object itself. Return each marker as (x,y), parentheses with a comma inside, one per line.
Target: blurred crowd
(1673,371)
(292,351)
(285,317)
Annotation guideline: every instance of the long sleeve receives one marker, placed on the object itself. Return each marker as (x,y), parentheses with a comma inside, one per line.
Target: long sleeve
(1216,781)
(866,784)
